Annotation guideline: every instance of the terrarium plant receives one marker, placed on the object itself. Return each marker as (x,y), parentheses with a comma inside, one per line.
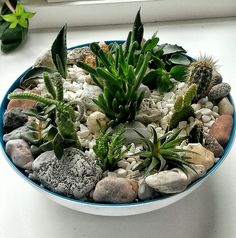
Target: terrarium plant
(163,152)
(14,24)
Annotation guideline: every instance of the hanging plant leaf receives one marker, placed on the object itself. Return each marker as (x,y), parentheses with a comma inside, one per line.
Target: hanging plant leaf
(179,59)
(59,52)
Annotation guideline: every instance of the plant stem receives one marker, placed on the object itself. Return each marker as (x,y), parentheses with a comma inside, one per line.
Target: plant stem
(11,8)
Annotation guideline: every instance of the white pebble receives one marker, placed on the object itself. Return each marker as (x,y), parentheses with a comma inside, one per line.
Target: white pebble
(182,124)
(206,118)
(159,106)
(196,106)
(131,159)
(111,174)
(132,164)
(215,114)
(203,100)
(121,172)
(181,85)
(168,95)
(215,109)
(191,119)
(203,111)
(209,124)
(122,164)
(209,105)
(163,104)
(132,149)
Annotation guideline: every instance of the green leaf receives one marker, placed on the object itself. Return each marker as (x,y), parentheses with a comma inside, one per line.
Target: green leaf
(178,72)
(59,52)
(10,18)
(47,146)
(58,146)
(137,33)
(13,25)
(179,59)
(171,49)
(19,9)
(23,22)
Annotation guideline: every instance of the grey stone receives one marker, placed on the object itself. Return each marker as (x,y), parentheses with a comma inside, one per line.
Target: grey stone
(16,134)
(200,171)
(115,190)
(78,54)
(147,92)
(13,119)
(20,153)
(73,175)
(225,107)
(145,192)
(45,60)
(147,118)
(168,181)
(216,79)
(219,91)
(212,144)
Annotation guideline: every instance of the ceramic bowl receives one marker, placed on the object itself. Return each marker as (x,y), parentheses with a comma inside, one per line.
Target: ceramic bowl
(108,209)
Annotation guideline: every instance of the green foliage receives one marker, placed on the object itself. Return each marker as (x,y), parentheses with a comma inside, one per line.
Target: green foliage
(108,148)
(59,52)
(13,25)
(161,153)
(62,134)
(182,108)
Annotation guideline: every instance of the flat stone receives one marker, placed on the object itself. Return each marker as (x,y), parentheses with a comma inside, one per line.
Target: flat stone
(145,192)
(168,181)
(212,144)
(20,153)
(225,107)
(16,134)
(73,175)
(219,91)
(13,119)
(221,129)
(115,190)
(199,172)
(199,155)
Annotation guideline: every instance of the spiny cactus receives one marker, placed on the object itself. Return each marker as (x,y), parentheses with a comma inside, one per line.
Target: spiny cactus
(200,72)
(182,108)
(62,135)
(196,133)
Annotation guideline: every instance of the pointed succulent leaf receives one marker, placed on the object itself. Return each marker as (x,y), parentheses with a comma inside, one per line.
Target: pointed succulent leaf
(137,33)
(47,146)
(58,145)
(179,59)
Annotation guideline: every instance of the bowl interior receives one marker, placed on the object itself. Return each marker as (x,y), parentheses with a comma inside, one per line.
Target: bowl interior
(24,176)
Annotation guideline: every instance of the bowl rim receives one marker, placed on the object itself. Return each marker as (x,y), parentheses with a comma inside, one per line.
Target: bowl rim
(3,106)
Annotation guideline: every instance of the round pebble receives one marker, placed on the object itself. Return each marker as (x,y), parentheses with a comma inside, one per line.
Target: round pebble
(206,118)
(219,91)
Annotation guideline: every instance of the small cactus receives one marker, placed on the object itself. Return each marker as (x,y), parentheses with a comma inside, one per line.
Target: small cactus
(196,133)
(200,72)
(182,108)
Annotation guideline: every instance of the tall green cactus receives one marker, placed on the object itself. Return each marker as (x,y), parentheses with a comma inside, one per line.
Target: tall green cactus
(182,108)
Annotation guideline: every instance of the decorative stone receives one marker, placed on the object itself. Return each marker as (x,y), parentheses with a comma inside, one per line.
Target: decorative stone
(16,134)
(145,89)
(78,54)
(221,129)
(206,118)
(20,153)
(216,79)
(168,181)
(209,105)
(225,107)
(199,155)
(121,172)
(123,164)
(13,119)
(212,144)
(23,104)
(200,171)
(115,190)
(219,91)
(144,191)
(148,118)
(45,60)
(92,123)
(73,175)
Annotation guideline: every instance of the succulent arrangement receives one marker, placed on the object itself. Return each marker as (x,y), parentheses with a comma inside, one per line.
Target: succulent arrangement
(81,134)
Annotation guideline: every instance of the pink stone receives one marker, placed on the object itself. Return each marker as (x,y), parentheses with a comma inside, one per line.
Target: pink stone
(221,129)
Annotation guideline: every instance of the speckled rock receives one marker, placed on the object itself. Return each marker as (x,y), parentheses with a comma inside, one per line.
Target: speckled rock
(115,190)
(20,153)
(73,175)
(216,79)
(45,60)
(23,104)
(225,107)
(221,129)
(219,91)
(13,119)
(78,54)
(16,134)
(200,155)
(92,119)
(168,181)
(212,144)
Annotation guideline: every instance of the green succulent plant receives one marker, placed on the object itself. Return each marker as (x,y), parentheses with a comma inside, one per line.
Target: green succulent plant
(63,134)
(108,148)
(162,153)
(182,108)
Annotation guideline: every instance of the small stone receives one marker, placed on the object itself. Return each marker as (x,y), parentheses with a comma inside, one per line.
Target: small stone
(219,91)
(209,124)
(200,155)
(225,107)
(84,131)
(181,85)
(115,190)
(145,89)
(194,175)
(182,124)
(121,172)
(20,153)
(215,114)
(123,164)
(16,134)
(168,181)
(215,109)
(144,191)
(131,159)
(206,118)
(24,103)
(212,144)
(13,119)
(92,123)
(209,105)
(204,111)
(203,100)
(221,129)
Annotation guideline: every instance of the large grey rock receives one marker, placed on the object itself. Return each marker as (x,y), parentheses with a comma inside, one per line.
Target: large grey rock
(115,190)
(73,175)
(13,119)
(16,134)
(20,153)
(168,181)
(219,91)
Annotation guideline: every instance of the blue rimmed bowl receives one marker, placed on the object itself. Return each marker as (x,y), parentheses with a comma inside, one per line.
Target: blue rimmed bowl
(108,209)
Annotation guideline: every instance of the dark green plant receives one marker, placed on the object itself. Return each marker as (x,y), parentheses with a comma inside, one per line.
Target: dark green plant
(182,108)
(161,153)
(14,23)
(62,135)
(108,148)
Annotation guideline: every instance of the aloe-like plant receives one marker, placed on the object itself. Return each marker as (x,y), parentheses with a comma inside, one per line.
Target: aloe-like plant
(162,153)
(62,135)
(108,148)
